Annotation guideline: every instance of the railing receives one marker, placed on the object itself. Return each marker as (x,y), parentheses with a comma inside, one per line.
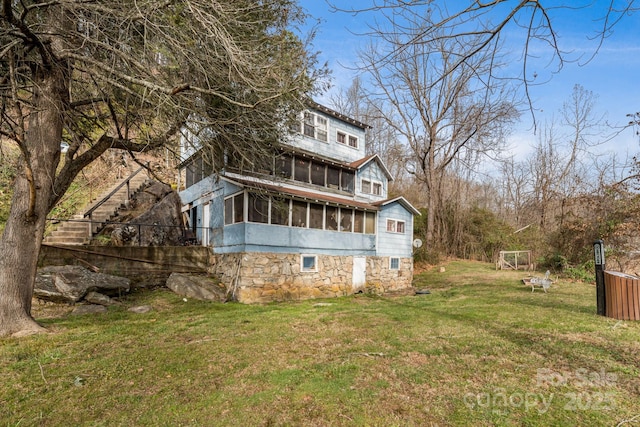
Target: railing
(126,182)
(188,237)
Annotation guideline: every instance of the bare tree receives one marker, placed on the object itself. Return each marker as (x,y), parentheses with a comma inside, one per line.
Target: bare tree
(102,75)
(444,111)
(559,164)
(479,28)
(382,139)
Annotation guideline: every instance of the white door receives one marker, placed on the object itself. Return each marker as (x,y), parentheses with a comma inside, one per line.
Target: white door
(205,225)
(359,272)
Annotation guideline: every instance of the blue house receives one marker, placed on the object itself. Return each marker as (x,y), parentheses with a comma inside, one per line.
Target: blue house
(318,224)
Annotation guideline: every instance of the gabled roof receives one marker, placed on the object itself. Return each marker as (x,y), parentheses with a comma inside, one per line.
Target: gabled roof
(404,202)
(298,193)
(359,164)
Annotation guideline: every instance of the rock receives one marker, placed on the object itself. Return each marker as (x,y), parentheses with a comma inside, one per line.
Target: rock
(197,287)
(165,218)
(88,309)
(141,309)
(121,236)
(154,218)
(70,283)
(98,298)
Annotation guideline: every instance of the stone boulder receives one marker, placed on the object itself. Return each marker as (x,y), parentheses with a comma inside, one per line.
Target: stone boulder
(153,219)
(197,287)
(71,283)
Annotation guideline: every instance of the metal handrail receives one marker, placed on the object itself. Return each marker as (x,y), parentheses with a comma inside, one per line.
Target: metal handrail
(115,190)
(186,231)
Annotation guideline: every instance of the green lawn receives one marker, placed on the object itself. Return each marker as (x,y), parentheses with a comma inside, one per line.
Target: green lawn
(481,349)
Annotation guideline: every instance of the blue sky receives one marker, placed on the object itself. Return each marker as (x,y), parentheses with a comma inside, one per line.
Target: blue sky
(612,75)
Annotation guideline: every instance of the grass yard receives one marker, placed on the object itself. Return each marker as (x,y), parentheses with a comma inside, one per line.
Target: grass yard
(481,349)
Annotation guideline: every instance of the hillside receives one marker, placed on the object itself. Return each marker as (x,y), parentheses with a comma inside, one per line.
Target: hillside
(88,185)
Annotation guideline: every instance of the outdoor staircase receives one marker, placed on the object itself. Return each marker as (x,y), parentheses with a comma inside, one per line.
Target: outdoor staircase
(80,228)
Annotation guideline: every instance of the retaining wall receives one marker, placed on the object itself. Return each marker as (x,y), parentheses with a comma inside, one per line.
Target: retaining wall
(249,277)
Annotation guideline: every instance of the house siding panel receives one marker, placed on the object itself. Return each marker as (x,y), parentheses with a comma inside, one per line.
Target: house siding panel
(273,238)
(332,148)
(372,172)
(395,244)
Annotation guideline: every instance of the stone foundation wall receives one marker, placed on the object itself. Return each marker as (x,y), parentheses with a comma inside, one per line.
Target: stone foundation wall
(248,277)
(267,277)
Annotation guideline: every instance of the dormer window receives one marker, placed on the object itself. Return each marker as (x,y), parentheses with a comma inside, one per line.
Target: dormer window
(314,126)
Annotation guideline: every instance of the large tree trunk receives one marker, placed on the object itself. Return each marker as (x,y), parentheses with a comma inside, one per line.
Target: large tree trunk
(20,243)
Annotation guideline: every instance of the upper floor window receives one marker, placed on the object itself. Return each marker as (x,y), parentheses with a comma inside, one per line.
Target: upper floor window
(371,187)
(346,139)
(197,169)
(302,169)
(314,126)
(395,226)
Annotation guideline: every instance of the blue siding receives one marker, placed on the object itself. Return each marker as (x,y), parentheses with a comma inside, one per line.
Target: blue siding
(395,244)
(254,237)
(251,237)
(332,149)
(372,172)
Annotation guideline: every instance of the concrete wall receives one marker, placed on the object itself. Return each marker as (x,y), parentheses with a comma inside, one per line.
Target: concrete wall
(250,277)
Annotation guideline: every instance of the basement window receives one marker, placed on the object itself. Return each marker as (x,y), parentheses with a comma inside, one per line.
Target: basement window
(394,263)
(309,263)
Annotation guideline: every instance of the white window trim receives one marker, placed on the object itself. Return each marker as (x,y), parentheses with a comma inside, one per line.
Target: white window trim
(315,126)
(245,204)
(315,264)
(395,221)
(347,136)
(391,263)
(371,182)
